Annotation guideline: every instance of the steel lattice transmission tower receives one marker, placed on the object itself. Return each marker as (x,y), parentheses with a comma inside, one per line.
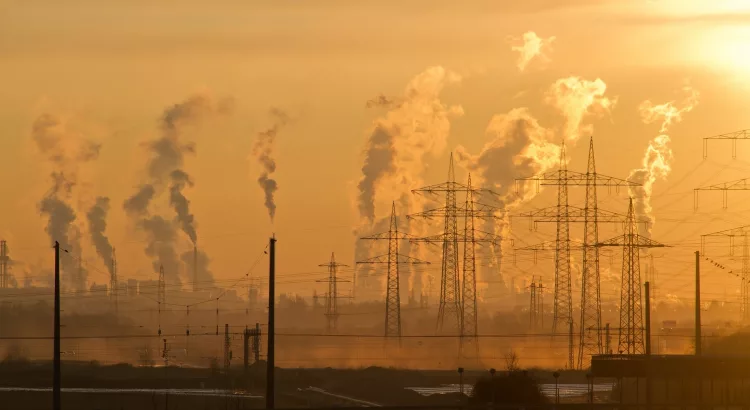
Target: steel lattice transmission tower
(469,327)
(393,258)
(470,238)
(4,265)
(450,303)
(741,135)
(590,329)
(731,234)
(631,312)
(590,343)
(453,291)
(332,313)
(725,187)
(113,285)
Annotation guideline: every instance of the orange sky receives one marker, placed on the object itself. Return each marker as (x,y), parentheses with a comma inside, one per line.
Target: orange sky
(111,68)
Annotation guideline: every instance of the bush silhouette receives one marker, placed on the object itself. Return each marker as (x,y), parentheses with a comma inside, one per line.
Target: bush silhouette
(515,387)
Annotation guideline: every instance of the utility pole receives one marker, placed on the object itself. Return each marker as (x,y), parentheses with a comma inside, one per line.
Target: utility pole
(647,295)
(532,305)
(56,379)
(698,338)
(393,258)
(332,313)
(227,349)
(161,296)
(631,314)
(270,377)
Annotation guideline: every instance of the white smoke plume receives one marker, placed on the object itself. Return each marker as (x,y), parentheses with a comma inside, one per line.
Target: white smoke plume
(165,171)
(577,98)
(66,151)
(97,218)
(520,147)
(400,140)
(657,160)
(532,47)
(416,125)
(263,152)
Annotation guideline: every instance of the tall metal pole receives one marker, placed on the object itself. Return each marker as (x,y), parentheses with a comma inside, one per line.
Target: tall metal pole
(56,405)
(647,290)
(270,388)
(697,303)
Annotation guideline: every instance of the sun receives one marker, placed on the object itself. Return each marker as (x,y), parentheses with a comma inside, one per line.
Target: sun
(725,48)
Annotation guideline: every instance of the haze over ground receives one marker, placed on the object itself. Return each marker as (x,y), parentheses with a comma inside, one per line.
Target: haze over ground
(109,72)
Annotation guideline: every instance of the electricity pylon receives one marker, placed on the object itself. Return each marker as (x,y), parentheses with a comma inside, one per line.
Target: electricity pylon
(733,136)
(738,185)
(392,259)
(467,301)
(450,305)
(631,313)
(590,215)
(725,187)
(731,234)
(332,313)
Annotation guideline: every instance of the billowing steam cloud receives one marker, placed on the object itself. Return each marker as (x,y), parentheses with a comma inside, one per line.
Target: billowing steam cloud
(657,159)
(576,98)
(519,146)
(165,171)
(532,47)
(416,124)
(97,217)
(263,152)
(65,151)
(399,141)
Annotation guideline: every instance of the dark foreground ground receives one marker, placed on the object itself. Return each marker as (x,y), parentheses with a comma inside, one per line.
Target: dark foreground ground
(377,385)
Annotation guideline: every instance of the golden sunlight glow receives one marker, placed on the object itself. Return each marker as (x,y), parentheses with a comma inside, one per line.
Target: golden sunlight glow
(727,48)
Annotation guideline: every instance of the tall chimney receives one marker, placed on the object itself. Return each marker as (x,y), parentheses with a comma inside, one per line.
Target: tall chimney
(195,268)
